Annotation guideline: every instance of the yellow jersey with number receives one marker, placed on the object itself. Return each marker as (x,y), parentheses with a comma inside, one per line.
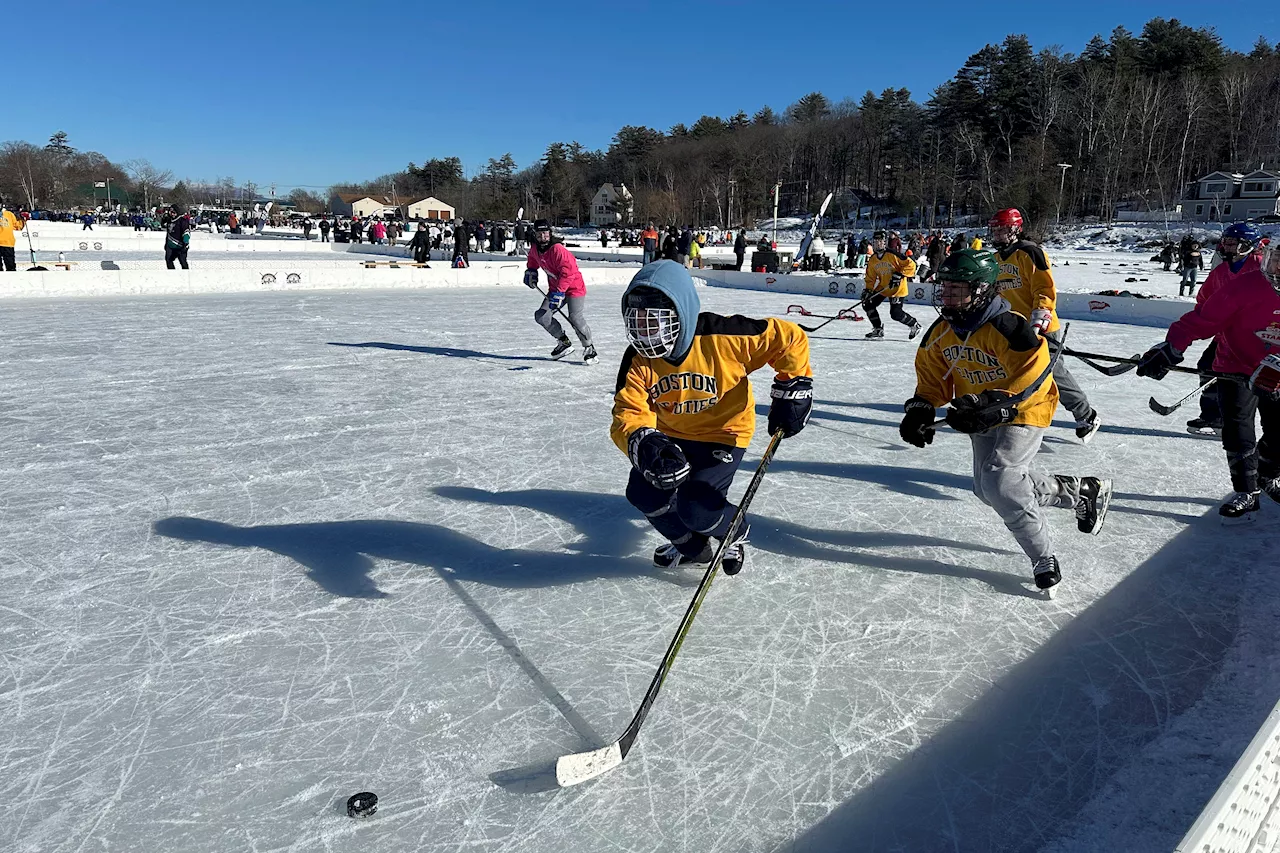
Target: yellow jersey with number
(707,396)
(1003,354)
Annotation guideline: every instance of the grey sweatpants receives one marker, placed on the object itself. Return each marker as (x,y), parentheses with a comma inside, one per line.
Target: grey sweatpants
(1069,392)
(1004,481)
(547,319)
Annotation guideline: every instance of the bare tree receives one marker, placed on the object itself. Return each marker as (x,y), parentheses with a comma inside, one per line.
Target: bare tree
(148,179)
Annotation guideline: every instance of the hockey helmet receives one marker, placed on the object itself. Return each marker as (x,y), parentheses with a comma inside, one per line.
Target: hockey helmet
(1005,226)
(542,234)
(966,285)
(1271,263)
(1239,240)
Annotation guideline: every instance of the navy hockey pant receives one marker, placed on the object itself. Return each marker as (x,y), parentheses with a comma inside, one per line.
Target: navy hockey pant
(700,507)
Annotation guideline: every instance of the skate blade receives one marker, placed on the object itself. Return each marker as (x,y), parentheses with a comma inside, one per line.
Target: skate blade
(1051,593)
(562,355)
(1103,506)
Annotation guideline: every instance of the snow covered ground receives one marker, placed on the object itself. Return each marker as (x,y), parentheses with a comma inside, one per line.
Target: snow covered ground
(264,551)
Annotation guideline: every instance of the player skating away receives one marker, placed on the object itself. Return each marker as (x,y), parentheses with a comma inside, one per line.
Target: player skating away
(1244,318)
(564,287)
(978,353)
(1239,250)
(888,269)
(1026,283)
(684,413)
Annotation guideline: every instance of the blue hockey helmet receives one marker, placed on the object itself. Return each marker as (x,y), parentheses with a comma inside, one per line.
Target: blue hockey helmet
(1245,237)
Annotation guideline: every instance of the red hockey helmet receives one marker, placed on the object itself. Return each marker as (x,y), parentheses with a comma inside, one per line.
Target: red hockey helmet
(1005,226)
(1010,217)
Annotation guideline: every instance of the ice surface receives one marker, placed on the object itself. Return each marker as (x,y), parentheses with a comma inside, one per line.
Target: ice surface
(263,552)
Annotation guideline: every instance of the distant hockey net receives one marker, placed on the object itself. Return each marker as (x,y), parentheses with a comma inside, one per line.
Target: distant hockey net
(1244,815)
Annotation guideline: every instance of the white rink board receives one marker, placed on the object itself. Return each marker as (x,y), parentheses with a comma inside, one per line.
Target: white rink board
(1242,817)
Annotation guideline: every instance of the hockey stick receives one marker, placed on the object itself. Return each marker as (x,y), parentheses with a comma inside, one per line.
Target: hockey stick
(840,315)
(581,766)
(1161,409)
(1124,365)
(559,310)
(35,267)
(1015,399)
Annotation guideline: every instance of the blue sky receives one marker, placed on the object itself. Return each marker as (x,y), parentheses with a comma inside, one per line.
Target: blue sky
(310,94)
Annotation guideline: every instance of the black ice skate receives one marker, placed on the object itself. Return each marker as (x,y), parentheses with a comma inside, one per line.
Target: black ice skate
(1091,506)
(1086,428)
(1201,426)
(667,556)
(875,334)
(1239,508)
(735,556)
(563,348)
(1047,574)
(916,329)
(1272,488)
(589,355)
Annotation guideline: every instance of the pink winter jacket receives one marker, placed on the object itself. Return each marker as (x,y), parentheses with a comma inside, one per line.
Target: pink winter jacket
(1244,317)
(1221,274)
(561,268)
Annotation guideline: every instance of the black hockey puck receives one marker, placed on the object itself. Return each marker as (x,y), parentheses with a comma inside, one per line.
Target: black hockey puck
(363,804)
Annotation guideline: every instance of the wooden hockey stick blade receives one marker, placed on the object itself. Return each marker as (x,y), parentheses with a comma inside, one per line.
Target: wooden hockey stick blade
(581,766)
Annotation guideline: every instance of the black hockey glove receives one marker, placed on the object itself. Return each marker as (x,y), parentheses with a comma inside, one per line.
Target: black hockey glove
(980,412)
(658,458)
(792,403)
(530,278)
(917,425)
(1156,361)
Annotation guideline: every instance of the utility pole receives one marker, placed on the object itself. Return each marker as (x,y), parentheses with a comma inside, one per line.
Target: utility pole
(1061,185)
(729,216)
(777,190)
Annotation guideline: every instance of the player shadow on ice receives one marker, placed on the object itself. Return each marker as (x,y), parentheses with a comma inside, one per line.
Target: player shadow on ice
(339,555)
(610,526)
(1011,771)
(451,352)
(795,541)
(605,522)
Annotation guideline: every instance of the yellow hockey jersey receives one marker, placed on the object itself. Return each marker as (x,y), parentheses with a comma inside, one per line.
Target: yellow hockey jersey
(707,397)
(1004,353)
(881,269)
(1025,281)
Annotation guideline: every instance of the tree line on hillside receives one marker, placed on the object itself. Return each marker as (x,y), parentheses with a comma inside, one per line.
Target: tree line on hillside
(1128,121)
(1135,118)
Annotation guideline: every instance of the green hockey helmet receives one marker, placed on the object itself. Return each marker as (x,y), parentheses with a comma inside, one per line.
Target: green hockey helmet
(966,285)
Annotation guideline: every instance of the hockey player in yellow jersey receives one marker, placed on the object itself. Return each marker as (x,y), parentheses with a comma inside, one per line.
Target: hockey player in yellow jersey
(683,410)
(976,358)
(888,269)
(1027,285)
